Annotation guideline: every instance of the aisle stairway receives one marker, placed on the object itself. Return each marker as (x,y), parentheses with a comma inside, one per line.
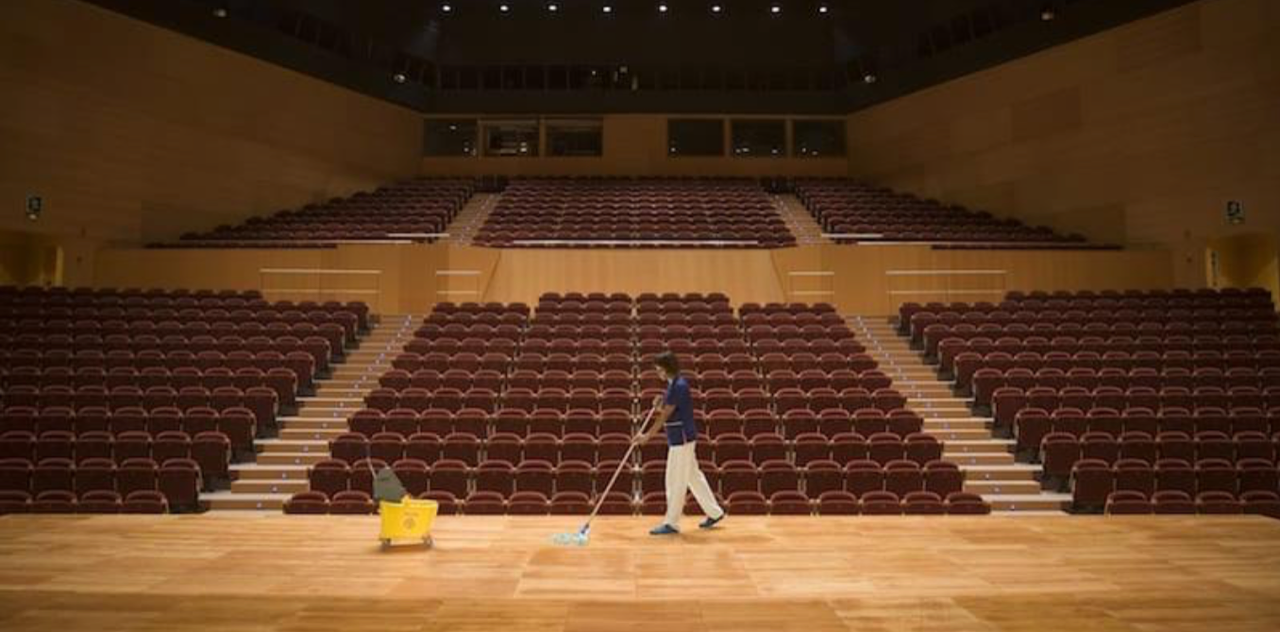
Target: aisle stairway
(281,467)
(988,461)
(799,220)
(472,216)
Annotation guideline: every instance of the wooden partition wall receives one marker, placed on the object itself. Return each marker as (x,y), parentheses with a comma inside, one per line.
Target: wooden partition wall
(868,280)
(133,133)
(1138,135)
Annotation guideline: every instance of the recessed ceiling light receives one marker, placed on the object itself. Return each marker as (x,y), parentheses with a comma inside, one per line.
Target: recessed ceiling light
(446,8)
(662,7)
(822,8)
(775,9)
(220,12)
(553,7)
(607,9)
(715,8)
(399,77)
(869,78)
(505,8)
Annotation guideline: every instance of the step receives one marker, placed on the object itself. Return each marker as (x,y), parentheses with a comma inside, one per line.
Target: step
(1006,472)
(985,487)
(310,423)
(314,434)
(260,472)
(959,458)
(939,412)
(292,458)
(290,446)
(942,435)
(254,486)
(1032,513)
(943,402)
(327,412)
(1028,502)
(230,500)
(325,400)
(957,423)
(985,445)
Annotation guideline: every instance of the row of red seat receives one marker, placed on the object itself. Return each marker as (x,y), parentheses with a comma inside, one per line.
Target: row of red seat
(848,206)
(467,374)
(1008,401)
(413,206)
(1086,300)
(618,503)
(845,447)
(1263,503)
(178,479)
(986,381)
(1061,450)
(210,449)
(1094,480)
(94,502)
(793,424)
(824,402)
(1032,424)
(860,477)
(633,211)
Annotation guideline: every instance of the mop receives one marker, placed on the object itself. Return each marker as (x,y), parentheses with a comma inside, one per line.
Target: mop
(582,536)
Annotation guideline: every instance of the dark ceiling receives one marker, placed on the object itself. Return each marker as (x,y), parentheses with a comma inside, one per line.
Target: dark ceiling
(806,56)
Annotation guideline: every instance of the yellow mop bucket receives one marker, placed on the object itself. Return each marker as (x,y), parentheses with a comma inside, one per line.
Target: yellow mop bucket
(409,519)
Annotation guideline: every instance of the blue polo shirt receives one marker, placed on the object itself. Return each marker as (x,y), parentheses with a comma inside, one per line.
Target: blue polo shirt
(681,427)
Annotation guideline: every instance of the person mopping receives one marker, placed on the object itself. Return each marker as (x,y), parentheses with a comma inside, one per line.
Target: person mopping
(676,417)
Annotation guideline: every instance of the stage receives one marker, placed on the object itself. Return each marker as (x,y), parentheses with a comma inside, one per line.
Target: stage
(236,571)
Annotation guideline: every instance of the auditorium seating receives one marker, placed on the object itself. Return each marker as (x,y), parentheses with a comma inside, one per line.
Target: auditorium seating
(413,207)
(853,211)
(1133,393)
(1264,503)
(618,212)
(501,399)
(130,390)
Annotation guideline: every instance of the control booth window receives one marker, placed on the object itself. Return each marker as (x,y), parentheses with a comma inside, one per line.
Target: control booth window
(511,138)
(763,138)
(695,137)
(575,137)
(818,138)
(454,137)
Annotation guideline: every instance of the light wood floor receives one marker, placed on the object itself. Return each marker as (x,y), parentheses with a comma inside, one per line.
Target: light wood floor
(275,572)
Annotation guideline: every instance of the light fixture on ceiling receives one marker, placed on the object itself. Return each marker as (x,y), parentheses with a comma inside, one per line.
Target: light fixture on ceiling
(504,8)
(553,7)
(608,8)
(399,77)
(220,12)
(446,8)
(869,78)
(824,9)
(715,8)
(663,8)
(775,9)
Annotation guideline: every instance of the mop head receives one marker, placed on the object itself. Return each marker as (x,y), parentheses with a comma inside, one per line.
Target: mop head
(577,538)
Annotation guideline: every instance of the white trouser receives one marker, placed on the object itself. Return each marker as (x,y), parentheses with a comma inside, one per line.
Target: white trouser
(683,474)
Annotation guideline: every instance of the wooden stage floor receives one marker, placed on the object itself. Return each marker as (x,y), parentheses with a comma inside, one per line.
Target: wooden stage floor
(273,572)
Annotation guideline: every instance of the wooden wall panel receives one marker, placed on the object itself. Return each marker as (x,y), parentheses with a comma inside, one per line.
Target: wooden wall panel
(635,145)
(744,275)
(409,282)
(1136,135)
(132,132)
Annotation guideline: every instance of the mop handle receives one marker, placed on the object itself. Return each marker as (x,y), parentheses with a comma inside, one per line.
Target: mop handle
(617,472)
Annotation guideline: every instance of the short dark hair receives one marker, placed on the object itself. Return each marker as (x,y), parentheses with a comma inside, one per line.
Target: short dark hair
(668,362)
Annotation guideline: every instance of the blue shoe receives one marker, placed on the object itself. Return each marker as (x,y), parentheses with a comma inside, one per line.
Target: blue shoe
(664,529)
(711,522)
